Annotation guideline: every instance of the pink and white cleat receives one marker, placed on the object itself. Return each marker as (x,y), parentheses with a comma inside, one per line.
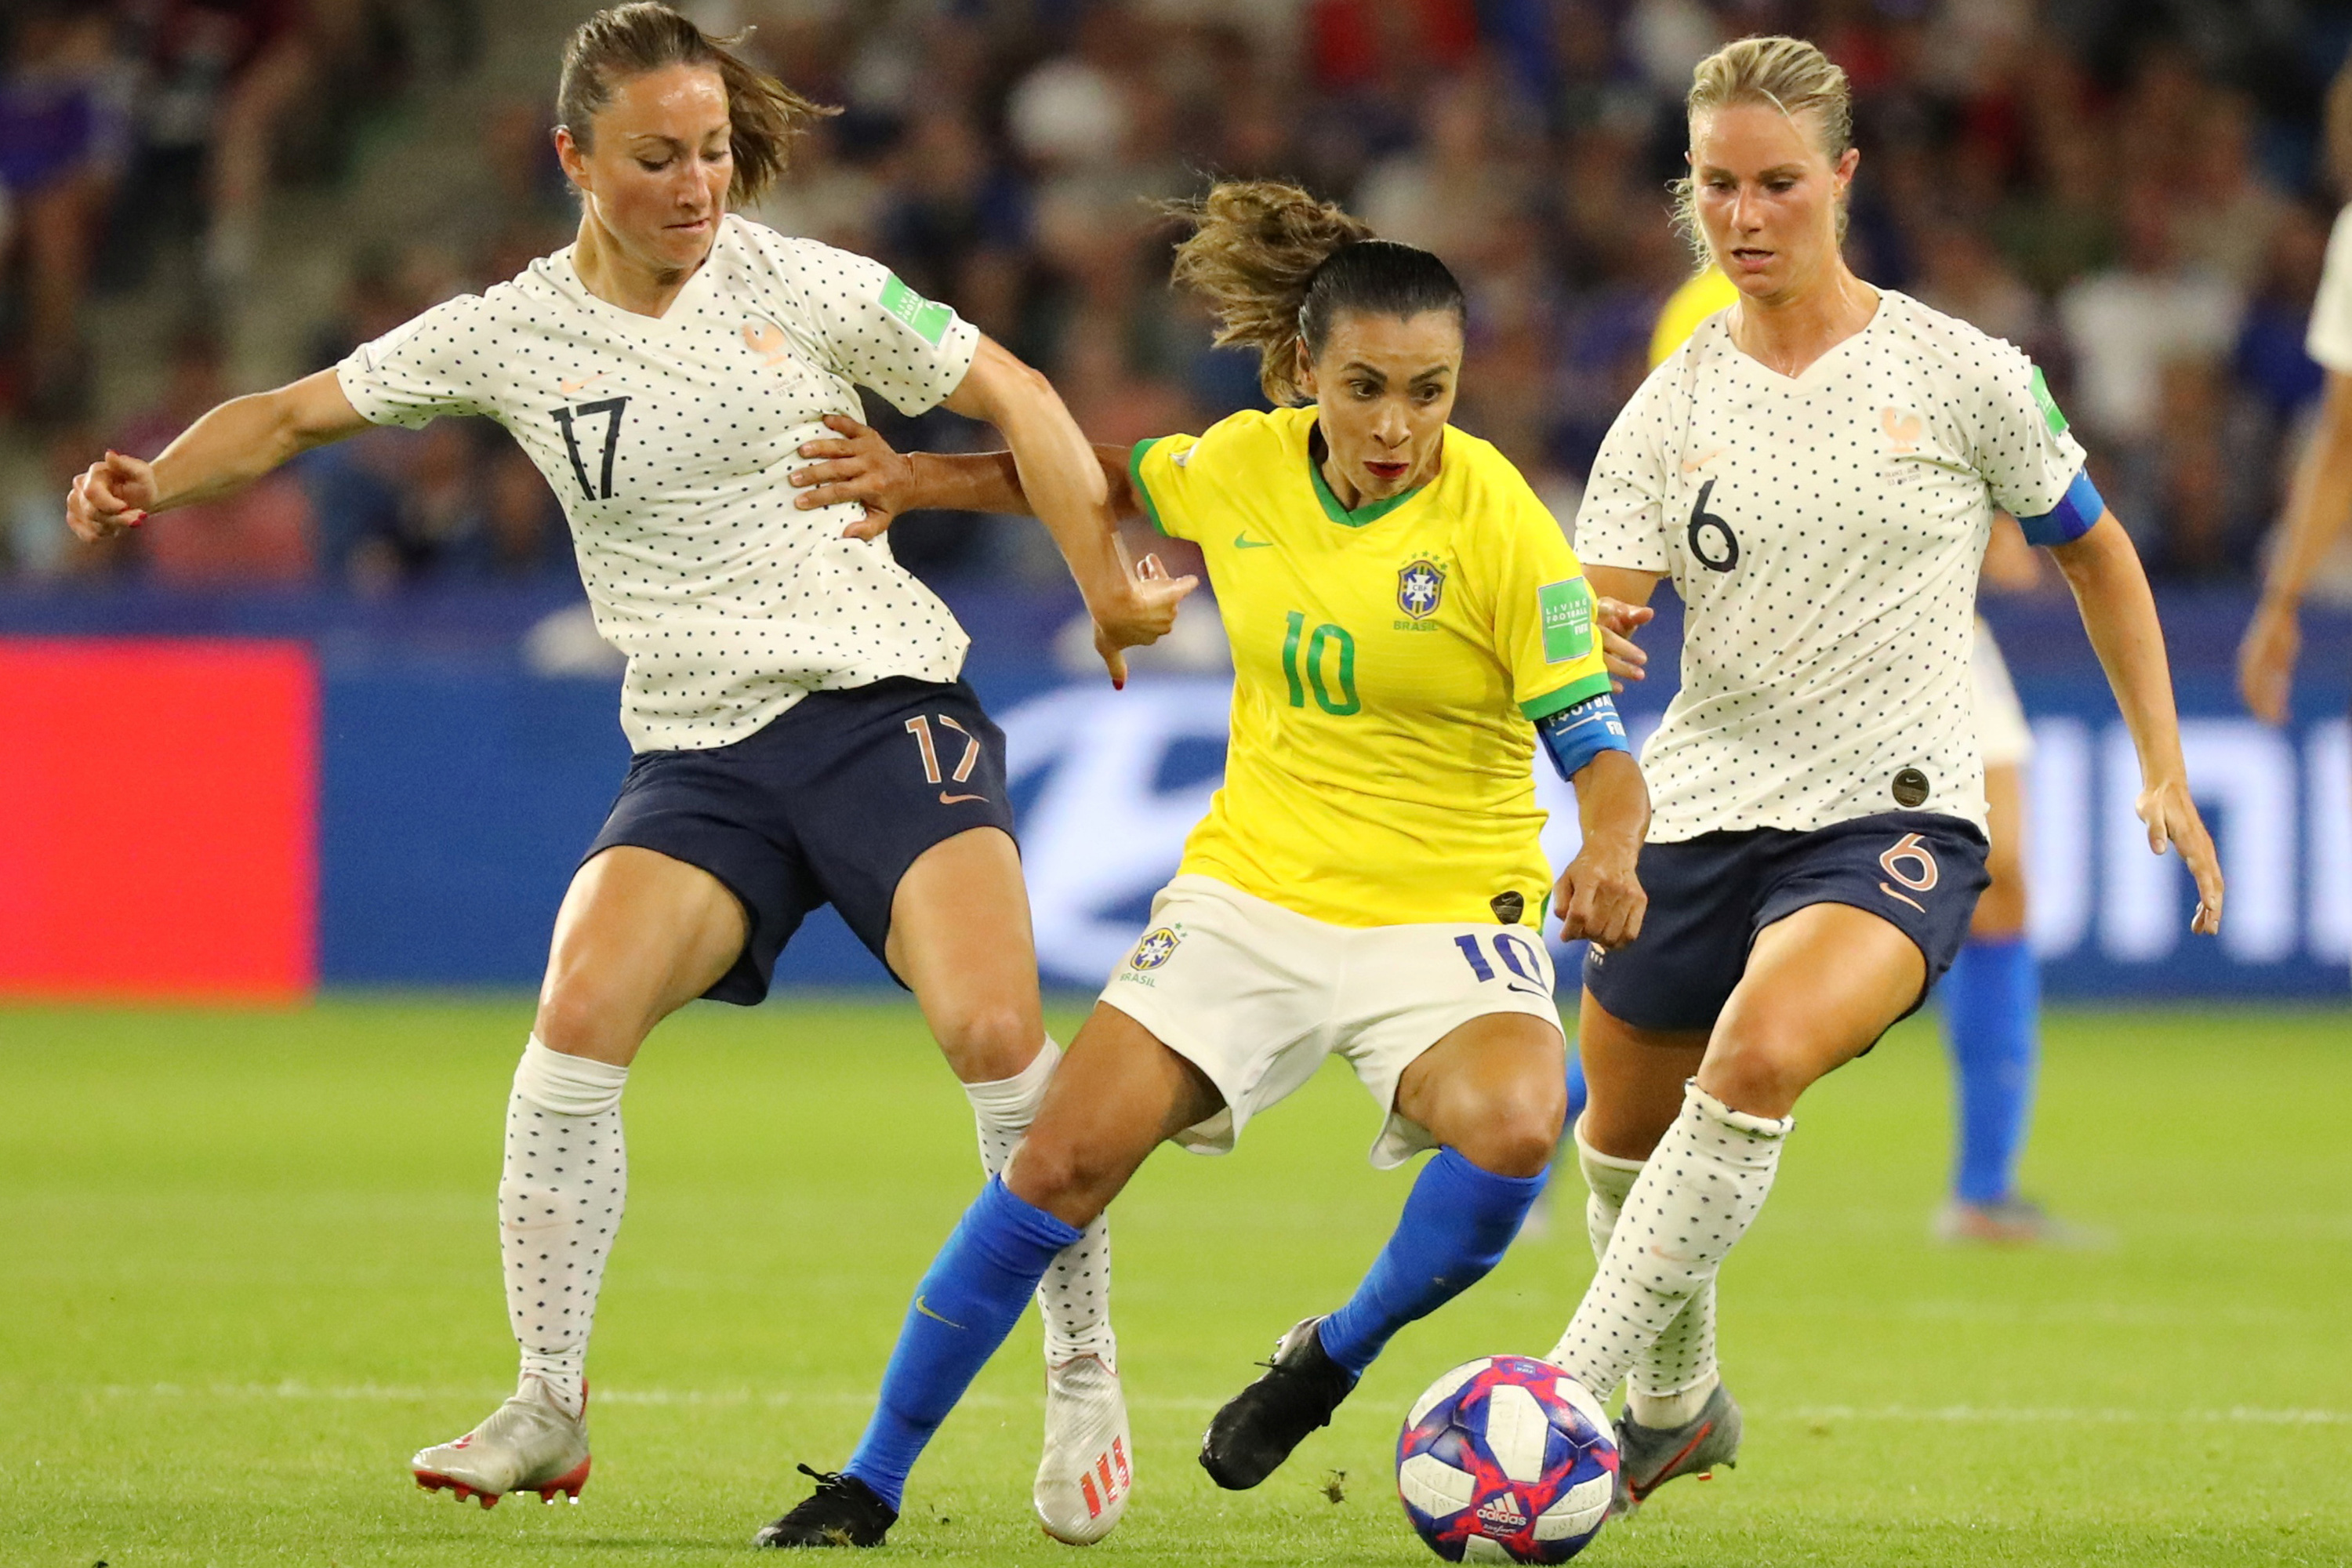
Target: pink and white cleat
(1088,1468)
(530,1444)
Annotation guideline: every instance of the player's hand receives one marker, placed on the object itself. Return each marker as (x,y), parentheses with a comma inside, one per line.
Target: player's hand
(1619,621)
(2266,660)
(860,467)
(1143,613)
(1598,898)
(112,494)
(2172,820)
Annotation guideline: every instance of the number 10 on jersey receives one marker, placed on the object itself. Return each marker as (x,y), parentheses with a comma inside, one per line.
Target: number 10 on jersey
(1326,646)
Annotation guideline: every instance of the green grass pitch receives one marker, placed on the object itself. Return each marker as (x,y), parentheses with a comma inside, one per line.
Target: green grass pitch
(248,1263)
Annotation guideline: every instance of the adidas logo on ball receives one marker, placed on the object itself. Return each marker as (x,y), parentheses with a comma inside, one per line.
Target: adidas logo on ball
(1503,1514)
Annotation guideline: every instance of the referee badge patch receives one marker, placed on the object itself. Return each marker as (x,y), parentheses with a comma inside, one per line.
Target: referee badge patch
(1566,609)
(1420,586)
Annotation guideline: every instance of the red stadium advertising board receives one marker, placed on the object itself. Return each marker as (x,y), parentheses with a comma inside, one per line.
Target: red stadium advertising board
(158,811)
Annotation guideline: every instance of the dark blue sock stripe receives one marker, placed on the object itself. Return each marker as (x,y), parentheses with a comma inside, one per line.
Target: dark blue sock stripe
(962,1312)
(1456,1225)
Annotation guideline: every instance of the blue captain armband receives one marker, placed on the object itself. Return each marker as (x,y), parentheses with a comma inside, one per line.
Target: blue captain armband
(2076,513)
(1574,736)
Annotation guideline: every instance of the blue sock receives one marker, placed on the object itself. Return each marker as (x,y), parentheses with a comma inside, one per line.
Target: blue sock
(1456,1224)
(1992,1001)
(962,1312)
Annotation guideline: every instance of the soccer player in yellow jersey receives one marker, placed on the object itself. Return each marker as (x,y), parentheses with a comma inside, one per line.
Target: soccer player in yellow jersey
(1406,621)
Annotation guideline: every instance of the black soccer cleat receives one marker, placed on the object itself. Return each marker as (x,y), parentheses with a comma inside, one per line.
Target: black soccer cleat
(1254,1433)
(843,1511)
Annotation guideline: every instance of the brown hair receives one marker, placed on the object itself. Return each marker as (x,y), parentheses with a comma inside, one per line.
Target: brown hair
(1279,267)
(1789,75)
(626,41)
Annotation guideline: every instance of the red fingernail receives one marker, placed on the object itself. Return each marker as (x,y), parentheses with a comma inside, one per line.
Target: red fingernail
(135,519)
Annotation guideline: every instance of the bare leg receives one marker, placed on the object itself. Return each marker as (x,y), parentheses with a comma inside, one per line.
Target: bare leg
(1119,1094)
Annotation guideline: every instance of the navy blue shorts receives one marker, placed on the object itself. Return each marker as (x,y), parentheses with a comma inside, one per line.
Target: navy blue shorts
(1919,870)
(827,804)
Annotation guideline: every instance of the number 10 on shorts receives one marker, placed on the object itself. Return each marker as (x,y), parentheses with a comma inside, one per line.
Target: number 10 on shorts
(1514,952)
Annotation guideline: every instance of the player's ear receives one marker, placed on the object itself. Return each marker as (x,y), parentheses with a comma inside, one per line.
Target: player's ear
(568,153)
(1305,377)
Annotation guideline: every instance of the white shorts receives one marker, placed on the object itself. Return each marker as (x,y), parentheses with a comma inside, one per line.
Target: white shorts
(2003,736)
(1256,997)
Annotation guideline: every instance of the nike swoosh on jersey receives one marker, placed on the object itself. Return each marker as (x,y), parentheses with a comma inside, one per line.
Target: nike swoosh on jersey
(926,1311)
(1693,465)
(569,387)
(947,799)
(1242,541)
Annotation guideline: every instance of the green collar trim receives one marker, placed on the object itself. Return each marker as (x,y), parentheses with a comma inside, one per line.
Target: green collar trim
(1370,511)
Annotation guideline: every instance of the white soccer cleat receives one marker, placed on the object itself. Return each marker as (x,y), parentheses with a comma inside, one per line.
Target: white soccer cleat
(1088,1470)
(530,1444)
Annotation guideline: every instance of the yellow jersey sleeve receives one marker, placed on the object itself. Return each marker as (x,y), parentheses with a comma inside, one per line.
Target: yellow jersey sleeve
(1546,633)
(1693,302)
(1159,466)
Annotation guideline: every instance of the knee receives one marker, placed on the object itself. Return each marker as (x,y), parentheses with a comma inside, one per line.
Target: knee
(1061,1176)
(1515,1132)
(581,1018)
(985,1040)
(1758,1068)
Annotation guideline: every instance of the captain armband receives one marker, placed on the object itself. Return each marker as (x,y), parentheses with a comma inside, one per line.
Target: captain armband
(1574,736)
(2076,513)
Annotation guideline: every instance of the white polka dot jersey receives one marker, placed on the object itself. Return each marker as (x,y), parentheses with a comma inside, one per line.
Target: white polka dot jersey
(1824,531)
(670,441)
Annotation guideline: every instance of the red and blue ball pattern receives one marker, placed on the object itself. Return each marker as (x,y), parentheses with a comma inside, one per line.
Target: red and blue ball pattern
(1506,1459)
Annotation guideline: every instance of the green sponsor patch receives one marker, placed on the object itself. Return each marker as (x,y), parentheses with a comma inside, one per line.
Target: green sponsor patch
(2048,403)
(1567,620)
(930,321)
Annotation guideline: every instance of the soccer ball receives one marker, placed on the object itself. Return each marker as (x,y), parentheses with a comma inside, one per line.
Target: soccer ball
(1506,1459)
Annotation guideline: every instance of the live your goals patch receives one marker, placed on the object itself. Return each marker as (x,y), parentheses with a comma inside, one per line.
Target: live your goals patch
(1567,620)
(930,321)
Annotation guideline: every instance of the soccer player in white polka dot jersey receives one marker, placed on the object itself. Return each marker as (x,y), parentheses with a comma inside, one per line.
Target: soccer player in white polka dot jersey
(794,696)
(1817,469)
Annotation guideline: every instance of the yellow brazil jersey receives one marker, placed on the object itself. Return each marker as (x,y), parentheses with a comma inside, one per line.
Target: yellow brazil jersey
(1387,664)
(1687,307)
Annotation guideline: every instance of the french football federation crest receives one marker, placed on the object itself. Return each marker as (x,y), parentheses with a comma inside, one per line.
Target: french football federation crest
(1420,586)
(1153,950)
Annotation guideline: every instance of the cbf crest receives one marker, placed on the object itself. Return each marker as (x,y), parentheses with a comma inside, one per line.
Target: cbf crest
(1155,948)
(1421,585)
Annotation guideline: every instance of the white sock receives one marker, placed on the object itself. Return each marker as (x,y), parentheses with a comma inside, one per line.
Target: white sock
(560,1200)
(1671,1382)
(1075,1296)
(1696,1196)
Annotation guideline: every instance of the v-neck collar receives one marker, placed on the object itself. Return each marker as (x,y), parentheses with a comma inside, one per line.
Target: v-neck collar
(681,302)
(1836,350)
(1370,513)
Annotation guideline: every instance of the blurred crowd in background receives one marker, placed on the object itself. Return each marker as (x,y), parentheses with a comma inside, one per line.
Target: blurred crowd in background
(2138,192)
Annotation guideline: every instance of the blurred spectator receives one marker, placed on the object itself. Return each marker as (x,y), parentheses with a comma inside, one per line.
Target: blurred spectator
(261,536)
(61,141)
(2123,325)
(2270,359)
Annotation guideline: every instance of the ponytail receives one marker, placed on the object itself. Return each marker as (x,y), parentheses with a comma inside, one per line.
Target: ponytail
(1279,267)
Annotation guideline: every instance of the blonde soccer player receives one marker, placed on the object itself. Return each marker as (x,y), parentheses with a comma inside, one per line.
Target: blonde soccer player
(802,735)
(1816,468)
(1406,621)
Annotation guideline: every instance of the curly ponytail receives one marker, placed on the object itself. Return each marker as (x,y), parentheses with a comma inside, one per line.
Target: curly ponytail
(624,41)
(1279,267)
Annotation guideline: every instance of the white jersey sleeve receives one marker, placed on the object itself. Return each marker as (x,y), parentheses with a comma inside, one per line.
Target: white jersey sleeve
(441,362)
(2021,445)
(870,328)
(1622,522)
(2329,340)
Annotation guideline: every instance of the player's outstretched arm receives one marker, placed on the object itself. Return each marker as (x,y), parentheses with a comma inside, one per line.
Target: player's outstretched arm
(1599,898)
(2119,613)
(858,466)
(1065,487)
(1622,606)
(2317,505)
(219,455)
